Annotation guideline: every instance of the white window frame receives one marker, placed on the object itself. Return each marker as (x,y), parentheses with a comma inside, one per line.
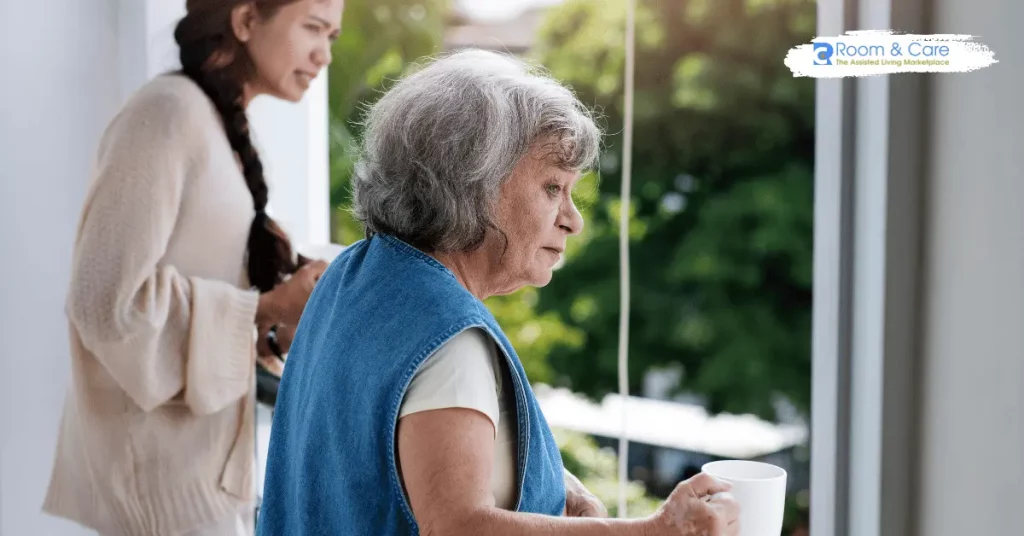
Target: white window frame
(870,138)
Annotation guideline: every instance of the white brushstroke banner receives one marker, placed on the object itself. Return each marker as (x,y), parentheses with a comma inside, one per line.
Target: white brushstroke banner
(880,52)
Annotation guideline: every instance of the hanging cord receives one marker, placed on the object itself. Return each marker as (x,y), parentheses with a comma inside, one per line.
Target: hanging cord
(627,172)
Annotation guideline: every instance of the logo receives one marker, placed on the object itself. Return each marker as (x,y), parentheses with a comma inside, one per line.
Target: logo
(884,52)
(823,54)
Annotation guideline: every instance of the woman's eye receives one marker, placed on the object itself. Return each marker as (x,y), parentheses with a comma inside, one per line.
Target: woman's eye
(313,28)
(554,189)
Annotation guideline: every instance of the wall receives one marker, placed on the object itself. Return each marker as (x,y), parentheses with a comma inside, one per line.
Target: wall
(972,428)
(61,84)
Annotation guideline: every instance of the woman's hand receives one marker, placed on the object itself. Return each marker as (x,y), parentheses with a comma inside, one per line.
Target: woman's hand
(284,304)
(285,335)
(579,502)
(700,506)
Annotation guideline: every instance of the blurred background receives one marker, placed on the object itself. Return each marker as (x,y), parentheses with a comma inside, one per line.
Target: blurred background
(720,230)
(895,198)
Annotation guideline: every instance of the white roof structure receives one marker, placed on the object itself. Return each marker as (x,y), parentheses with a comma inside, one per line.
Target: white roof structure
(499,10)
(668,424)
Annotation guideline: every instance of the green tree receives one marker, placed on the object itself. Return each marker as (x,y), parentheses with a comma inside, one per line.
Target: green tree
(379,40)
(722,199)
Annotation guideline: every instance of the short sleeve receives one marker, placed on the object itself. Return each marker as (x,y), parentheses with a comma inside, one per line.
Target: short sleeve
(462,373)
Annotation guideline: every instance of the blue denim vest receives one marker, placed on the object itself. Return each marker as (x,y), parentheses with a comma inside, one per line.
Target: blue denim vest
(378,312)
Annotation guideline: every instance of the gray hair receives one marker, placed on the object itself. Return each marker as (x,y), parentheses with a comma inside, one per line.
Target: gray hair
(440,142)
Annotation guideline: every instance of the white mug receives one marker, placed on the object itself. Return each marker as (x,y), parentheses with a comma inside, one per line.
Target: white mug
(760,490)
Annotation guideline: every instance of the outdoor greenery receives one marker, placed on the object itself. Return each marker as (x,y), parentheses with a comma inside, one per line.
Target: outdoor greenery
(721,208)
(721,212)
(597,469)
(722,199)
(378,41)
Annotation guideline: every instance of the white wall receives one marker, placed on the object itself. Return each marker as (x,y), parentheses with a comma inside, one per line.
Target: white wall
(67,66)
(972,435)
(292,140)
(61,85)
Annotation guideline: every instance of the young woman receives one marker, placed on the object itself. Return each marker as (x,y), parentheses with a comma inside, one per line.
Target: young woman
(178,276)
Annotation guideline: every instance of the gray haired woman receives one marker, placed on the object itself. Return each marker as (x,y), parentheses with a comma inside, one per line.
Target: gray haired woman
(404,408)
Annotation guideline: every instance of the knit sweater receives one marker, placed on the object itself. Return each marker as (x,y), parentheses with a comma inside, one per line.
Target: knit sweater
(157,432)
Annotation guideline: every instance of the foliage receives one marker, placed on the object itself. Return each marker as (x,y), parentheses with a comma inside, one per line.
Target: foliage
(378,41)
(598,470)
(721,201)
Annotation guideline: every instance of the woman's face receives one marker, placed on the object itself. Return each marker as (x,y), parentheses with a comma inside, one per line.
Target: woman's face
(536,212)
(289,48)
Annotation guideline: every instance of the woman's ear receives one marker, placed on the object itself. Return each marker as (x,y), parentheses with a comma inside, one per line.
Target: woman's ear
(243,17)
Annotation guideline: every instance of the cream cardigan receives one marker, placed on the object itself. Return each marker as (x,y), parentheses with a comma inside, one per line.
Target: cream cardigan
(157,432)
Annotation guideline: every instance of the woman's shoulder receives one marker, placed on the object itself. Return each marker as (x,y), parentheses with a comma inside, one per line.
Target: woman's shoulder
(170,99)
(170,111)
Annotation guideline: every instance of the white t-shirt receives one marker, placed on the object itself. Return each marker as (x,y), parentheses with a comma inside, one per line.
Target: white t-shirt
(469,372)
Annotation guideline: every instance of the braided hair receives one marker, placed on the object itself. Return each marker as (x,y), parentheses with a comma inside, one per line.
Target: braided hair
(213,58)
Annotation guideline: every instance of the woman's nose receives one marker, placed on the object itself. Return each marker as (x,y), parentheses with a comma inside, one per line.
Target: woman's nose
(571,221)
(322,56)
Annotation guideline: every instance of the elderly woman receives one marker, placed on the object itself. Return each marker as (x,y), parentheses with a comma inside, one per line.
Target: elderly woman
(404,408)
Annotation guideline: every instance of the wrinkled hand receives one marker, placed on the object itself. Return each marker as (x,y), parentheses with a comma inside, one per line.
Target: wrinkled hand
(700,506)
(579,502)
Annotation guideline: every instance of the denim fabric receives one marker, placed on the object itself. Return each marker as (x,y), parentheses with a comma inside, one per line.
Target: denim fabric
(378,312)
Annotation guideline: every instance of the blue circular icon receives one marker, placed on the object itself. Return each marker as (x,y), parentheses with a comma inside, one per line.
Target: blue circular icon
(823,53)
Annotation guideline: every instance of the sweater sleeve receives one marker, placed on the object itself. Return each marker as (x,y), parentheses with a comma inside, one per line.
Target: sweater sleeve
(156,331)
